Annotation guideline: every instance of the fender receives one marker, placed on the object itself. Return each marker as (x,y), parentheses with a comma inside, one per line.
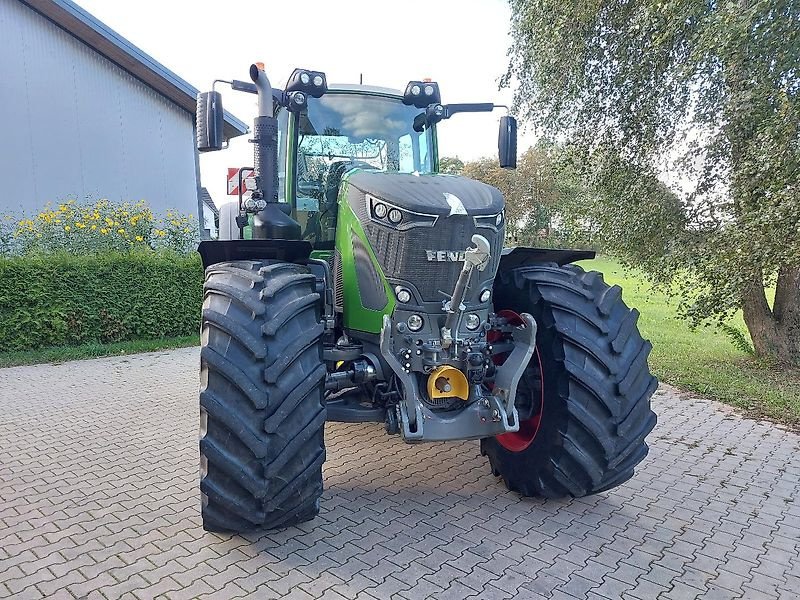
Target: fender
(215,251)
(519,256)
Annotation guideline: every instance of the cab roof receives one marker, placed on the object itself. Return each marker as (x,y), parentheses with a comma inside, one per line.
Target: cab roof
(370,89)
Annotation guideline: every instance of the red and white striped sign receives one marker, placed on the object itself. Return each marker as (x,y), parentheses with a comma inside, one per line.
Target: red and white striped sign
(248,180)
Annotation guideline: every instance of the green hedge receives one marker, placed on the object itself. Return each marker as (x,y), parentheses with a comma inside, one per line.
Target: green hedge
(59,300)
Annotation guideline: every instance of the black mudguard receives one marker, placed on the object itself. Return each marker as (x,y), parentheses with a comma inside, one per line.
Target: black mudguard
(520,256)
(216,251)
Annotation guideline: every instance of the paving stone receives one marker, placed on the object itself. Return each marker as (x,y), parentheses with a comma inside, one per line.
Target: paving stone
(710,512)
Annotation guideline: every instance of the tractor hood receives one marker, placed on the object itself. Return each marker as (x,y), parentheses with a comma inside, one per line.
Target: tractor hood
(440,195)
(423,250)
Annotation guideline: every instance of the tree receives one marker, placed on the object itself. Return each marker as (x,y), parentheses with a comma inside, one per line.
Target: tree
(529,190)
(704,92)
(452,165)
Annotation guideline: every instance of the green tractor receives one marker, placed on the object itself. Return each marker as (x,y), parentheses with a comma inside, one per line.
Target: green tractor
(360,285)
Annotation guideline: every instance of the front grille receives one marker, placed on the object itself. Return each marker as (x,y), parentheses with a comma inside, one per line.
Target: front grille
(402,254)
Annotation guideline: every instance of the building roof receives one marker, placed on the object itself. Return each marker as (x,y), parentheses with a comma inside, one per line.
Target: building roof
(104,40)
(208,200)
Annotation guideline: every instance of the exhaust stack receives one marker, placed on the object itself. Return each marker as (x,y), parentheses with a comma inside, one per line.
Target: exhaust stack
(273,221)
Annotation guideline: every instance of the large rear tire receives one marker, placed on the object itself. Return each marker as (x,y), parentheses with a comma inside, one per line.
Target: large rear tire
(262,378)
(585,396)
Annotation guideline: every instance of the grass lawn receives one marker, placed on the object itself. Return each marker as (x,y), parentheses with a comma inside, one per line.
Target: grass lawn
(61,354)
(705,361)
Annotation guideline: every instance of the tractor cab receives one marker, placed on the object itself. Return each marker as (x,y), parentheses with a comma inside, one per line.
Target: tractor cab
(349,127)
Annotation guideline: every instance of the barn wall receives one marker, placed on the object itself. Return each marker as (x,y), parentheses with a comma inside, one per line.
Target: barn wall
(74,125)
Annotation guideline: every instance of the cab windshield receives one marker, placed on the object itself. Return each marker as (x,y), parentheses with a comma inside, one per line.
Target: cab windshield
(373,130)
(342,131)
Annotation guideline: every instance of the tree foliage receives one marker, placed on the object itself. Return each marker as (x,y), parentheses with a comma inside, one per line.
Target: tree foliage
(530,190)
(451,165)
(703,95)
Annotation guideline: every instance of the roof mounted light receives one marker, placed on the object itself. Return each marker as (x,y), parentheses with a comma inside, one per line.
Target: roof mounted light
(313,83)
(422,93)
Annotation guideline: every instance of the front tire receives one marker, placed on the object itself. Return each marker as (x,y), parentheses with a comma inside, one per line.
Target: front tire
(585,396)
(262,378)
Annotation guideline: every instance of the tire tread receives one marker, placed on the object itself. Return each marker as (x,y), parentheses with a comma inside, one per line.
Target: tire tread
(261,397)
(601,384)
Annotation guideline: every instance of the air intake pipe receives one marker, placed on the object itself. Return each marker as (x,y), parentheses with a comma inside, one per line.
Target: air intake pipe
(273,222)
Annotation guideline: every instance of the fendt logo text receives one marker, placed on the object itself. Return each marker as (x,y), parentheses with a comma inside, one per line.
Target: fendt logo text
(445,255)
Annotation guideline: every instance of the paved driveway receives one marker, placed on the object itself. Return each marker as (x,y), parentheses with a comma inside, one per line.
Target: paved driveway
(98,498)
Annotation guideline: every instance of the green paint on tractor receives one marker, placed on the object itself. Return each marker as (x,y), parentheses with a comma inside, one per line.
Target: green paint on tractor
(356,315)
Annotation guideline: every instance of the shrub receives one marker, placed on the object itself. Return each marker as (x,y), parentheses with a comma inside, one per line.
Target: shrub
(64,299)
(101,226)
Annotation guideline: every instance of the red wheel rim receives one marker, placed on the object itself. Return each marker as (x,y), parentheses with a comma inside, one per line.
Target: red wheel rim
(517,441)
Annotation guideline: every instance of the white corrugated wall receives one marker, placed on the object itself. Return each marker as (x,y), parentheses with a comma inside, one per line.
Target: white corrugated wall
(74,125)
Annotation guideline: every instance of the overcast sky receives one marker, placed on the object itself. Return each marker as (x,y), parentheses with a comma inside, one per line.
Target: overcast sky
(462,44)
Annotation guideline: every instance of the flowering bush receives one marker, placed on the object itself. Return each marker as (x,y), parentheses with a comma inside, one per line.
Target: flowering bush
(103,226)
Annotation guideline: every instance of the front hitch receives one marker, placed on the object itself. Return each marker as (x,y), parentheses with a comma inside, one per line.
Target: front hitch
(486,415)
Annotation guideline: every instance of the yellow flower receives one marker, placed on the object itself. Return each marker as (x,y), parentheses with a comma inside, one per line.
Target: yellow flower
(186,230)
(109,221)
(67,227)
(104,231)
(94,227)
(121,231)
(80,225)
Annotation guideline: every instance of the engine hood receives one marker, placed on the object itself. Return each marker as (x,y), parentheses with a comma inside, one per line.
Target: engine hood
(440,195)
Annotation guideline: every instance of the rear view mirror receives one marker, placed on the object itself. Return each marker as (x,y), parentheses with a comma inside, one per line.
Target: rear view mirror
(507,143)
(210,121)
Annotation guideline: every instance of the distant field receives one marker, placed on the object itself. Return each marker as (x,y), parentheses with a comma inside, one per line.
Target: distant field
(704,361)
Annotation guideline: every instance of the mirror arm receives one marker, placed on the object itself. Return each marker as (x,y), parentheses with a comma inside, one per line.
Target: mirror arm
(278,96)
(427,118)
(451,109)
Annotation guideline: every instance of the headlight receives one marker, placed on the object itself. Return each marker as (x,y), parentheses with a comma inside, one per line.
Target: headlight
(380,210)
(318,80)
(415,322)
(485,295)
(499,219)
(305,78)
(403,295)
(429,90)
(395,216)
(415,90)
(472,321)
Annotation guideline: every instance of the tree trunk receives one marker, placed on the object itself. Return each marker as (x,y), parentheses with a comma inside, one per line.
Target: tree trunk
(775,332)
